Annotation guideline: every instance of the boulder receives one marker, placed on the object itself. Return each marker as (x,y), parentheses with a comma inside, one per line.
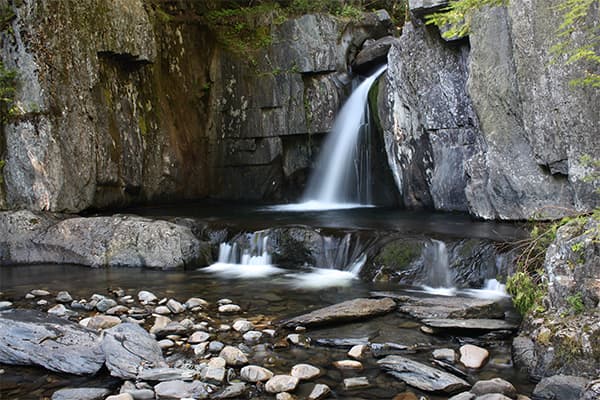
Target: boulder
(372,54)
(560,387)
(422,376)
(350,310)
(34,338)
(128,349)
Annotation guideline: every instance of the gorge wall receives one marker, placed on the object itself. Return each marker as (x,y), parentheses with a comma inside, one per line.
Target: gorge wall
(132,101)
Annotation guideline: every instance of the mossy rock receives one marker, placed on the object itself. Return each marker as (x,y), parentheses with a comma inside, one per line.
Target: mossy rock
(399,254)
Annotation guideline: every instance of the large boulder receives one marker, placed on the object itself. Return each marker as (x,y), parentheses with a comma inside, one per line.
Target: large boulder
(34,338)
(98,241)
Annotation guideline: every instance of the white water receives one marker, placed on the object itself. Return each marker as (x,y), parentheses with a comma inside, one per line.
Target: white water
(438,268)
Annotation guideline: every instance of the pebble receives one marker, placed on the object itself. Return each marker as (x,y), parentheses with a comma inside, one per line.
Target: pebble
(160,322)
(298,340)
(217,362)
(229,309)
(445,355)
(224,328)
(252,337)
(224,301)
(285,396)
(496,385)
(195,302)
(198,337)
(426,329)
(281,383)
(255,373)
(5,305)
(59,310)
(122,396)
(166,344)
(305,372)
(356,383)
(233,356)
(39,293)
(358,352)
(214,375)
(29,296)
(146,297)
(269,332)
(472,356)
(64,297)
(105,304)
(200,349)
(215,346)
(348,364)
(117,310)
(100,322)
(320,391)
(162,310)
(42,302)
(175,306)
(243,326)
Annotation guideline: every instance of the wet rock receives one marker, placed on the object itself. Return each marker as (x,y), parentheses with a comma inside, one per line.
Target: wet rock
(81,394)
(199,337)
(34,338)
(560,387)
(298,340)
(40,293)
(166,344)
(121,396)
(229,309)
(215,346)
(473,356)
(145,296)
(356,383)
(59,310)
(422,376)
(372,54)
(358,352)
(5,305)
(162,310)
(496,385)
(252,337)
(196,302)
(214,375)
(345,342)
(117,310)
(64,297)
(105,304)
(100,322)
(591,391)
(217,362)
(305,372)
(473,324)
(175,390)
(445,354)
(166,374)
(463,396)
(320,391)
(243,326)
(348,364)
(127,348)
(281,383)
(439,307)
(254,373)
(343,312)
(233,391)
(233,356)
(175,306)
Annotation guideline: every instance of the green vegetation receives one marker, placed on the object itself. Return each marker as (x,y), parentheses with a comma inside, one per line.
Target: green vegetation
(576,303)
(585,47)
(2,163)
(526,290)
(398,254)
(8,82)
(456,17)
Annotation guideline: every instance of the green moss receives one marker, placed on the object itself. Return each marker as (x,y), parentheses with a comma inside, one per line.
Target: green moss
(526,292)
(2,164)
(568,349)
(398,254)
(142,125)
(576,303)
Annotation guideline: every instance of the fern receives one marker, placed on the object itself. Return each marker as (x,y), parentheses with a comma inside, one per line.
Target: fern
(457,16)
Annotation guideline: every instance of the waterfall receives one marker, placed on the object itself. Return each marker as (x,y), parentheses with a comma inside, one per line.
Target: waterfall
(439,279)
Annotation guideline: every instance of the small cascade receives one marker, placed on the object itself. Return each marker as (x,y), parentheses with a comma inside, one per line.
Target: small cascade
(438,271)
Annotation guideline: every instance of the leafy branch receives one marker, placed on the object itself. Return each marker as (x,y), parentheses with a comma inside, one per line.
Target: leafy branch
(456,17)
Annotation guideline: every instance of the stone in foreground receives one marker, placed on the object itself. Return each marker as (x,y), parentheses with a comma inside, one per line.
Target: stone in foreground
(422,376)
(350,310)
(560,387)
(473,356)
(175,390)
(496,385)
(255,373)
(33,338)
(128,348)
(233,356)
(81,394)
(320,391)
(305,372)
(281,383)
(356,383)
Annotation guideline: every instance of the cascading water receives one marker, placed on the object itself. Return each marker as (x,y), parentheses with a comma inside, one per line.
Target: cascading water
(439,279)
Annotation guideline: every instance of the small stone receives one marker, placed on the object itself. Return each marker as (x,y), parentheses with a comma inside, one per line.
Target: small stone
(194,302)
(217,362)
(198,337)
(146,297)
(181,389)
(495,385)
(100,322)
(224,328)
(233,356)
(356,383)
(40,293)
(166,344)
(64,297)
(42,302)
(142,394)
(215,346)
(200,349)
(285,396)
(472,356)
(29,296)
(463,396)
(320,391)
(493,396)
(242,326)
(162,310)
(406,396)
(233,391)
(358,352)
(59,310)
(298,340)
(122,396)
(305,372)
(348,364)
(175,306)
(80,394)
(426,329)
(105,304)
(5,305)
(254,373)
(252,337)
(160,322)
(224,302)
(445,355)
(117,310)
(269,332)
(214,375)
(229,309)
(281,383)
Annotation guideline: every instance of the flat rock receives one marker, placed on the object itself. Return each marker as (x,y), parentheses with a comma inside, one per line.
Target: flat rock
(320,391)
(229,309)
(233,356)
(175,390)
(356,383)
(255,373)
(350,310)
(233,391)
(281,383)
(445,355)
(348,364)
(146,297)
(5,305)
(121,396)
(243,326)
(495,385)
(358,352)
(472,356)
(175,306)
(81,394)
(305,372)
(34,338)
(560,387)
(483,324)
(199,337)
(166,374)
(99,322)
(194,302)
(422,376)
(127,348)
(342,342)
